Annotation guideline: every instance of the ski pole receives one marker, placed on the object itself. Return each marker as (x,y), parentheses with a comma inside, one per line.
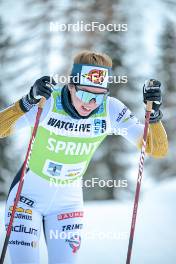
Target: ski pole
(20,186)
(138,186)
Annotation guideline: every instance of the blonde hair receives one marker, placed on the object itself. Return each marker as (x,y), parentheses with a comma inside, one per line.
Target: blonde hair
(89,57)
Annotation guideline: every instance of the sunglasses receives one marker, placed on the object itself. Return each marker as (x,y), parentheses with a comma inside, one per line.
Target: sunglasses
(87,97)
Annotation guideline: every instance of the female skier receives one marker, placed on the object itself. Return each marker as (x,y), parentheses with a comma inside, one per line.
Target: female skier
(75,120)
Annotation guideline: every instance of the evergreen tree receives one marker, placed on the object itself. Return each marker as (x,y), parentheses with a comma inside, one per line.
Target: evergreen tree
(35,48)
(6,159)
(166,73)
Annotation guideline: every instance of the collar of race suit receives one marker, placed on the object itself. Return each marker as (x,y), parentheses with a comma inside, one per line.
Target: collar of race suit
(69,108)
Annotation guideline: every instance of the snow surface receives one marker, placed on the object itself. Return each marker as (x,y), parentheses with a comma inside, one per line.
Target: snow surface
(155,234)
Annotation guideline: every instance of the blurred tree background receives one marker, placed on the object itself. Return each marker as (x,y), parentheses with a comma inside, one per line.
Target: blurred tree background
(29,50)
(6,154)
(165,71)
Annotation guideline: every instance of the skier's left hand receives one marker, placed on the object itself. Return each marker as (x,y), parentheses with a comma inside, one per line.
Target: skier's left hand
(152,92)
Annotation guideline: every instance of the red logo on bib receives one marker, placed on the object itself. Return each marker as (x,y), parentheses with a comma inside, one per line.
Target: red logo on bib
(70,215)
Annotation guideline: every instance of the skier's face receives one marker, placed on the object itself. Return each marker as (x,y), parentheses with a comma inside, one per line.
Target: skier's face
(85,103)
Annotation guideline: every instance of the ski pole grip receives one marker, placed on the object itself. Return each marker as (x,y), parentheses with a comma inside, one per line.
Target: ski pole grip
(149,106)
(42,102)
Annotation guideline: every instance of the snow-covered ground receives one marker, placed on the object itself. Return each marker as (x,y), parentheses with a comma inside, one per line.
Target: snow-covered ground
(107,227)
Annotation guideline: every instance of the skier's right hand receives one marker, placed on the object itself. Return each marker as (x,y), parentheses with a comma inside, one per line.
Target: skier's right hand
(41,88)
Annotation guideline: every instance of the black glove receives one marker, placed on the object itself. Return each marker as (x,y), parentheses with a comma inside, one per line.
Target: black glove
(41,88)
(152,92)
